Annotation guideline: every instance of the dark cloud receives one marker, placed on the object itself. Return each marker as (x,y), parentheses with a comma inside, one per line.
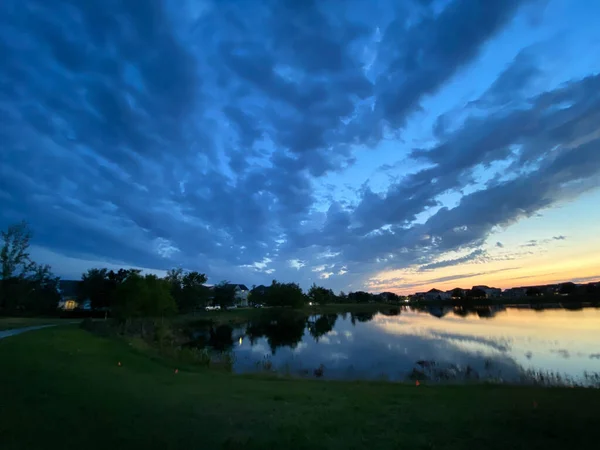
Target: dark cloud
(499,244)
(423,57)
(155,134)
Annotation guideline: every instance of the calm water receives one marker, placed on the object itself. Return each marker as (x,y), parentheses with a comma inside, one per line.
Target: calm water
(443,343)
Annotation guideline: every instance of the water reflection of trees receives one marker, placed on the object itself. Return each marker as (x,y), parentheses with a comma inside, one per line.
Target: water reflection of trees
(361,317)
(221,338)
(321,326)
(285,330)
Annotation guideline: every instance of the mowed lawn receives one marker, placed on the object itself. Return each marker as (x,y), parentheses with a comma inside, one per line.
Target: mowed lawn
(63,388)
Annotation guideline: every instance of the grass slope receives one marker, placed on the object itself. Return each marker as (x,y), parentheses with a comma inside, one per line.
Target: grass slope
(63,388)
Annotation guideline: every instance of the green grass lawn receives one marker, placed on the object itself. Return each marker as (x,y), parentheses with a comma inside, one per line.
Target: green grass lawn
(10,323)
(63,388)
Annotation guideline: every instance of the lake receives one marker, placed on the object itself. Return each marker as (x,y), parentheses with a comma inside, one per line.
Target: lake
(553,346)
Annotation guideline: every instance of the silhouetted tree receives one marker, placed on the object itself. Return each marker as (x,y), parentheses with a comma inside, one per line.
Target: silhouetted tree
(187,289)
(96,287)
(320,295)
(224,294)
(285,294)
(25,287)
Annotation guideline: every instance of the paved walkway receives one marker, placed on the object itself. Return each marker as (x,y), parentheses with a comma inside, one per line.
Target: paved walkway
(8,333)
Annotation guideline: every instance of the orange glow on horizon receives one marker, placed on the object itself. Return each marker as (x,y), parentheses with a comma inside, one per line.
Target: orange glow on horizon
(536,270)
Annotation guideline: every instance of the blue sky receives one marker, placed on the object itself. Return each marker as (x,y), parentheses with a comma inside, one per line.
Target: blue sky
(360,145)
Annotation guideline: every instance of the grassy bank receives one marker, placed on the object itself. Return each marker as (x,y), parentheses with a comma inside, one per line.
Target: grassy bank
(242,315)
(63,387)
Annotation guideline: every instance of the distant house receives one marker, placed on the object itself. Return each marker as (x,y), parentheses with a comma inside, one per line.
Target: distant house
(69,296)
(436,294)
(517,292)
(240,292)
(490,292)
(457,293)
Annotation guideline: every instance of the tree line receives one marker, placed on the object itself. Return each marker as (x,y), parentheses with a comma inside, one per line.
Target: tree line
(30,288)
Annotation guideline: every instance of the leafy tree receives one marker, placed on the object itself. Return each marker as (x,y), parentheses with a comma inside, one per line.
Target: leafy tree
(25,287)
(96,286)
(259,294)
(360,297)
(320,295)
(187,288)
(130,296)
(389,297)
(158,301)
(14,255)
(224,294)
(139,296)
(285,294)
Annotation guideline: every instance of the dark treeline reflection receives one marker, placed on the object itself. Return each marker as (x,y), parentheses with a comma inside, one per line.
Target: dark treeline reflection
(287,327)
(322,325)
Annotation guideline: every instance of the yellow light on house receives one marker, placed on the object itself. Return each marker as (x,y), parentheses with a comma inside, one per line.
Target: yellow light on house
(240,341)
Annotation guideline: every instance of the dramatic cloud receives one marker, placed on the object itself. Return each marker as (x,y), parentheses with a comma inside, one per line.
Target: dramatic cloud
(229,137)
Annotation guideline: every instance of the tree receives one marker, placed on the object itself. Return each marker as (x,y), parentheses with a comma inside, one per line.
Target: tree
(129,297)
(25,287)
(187,289)
(359,297)
(14,255)
(96,286)
(259,295)
(158,301)
(139,296)
(285,294)
(320,295)
(224,294)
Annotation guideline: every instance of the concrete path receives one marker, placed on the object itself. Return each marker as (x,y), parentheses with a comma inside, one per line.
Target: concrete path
(14,332)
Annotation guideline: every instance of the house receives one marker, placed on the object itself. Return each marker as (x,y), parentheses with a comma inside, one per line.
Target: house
(240,293)
(436,294)
(69,296)
(489,291)
(457,293)
(517,292)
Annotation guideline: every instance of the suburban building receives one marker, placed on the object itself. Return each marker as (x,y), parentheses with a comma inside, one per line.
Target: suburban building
(489,291)
(436,294)
(241,293)
(517,292)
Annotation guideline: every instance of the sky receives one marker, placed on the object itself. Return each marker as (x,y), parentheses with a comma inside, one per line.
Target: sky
(381,146)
